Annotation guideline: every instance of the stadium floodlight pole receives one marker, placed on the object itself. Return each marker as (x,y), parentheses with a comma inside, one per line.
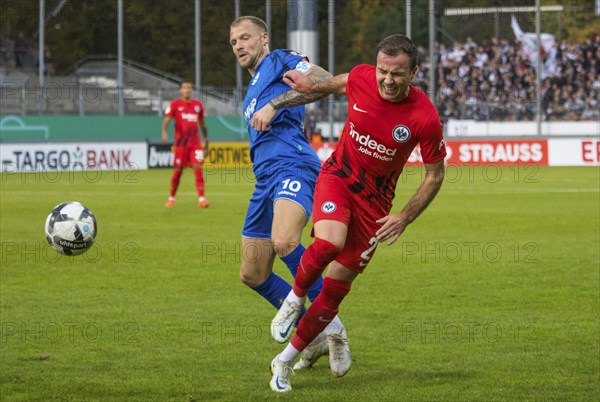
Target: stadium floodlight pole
(197,47)
(268,15)
(238,68)
(120,57)
(559,25)
(497,26)
(431,89)
(538,67)
(330,58)
(81,100)
(408,19)
(41,61)
(303,36)
(303,31)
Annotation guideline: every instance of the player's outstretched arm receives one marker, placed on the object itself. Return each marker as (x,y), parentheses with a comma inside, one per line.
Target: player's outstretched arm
(302,83)
(394,225)
(292,97)
(261,119)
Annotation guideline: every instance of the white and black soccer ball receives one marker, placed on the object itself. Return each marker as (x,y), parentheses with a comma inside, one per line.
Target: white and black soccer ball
(71,228)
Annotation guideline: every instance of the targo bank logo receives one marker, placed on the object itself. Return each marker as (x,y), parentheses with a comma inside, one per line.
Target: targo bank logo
(68,158)
(371,147)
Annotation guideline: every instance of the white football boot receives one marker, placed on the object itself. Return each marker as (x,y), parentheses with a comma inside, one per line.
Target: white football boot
(339,353)
(317,348)
(283,322)
(280,382)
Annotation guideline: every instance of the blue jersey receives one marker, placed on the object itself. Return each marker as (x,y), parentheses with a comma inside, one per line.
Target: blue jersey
(285,142)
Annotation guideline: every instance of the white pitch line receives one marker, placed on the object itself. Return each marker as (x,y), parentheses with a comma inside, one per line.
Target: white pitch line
(120,194)
(211,194)
(525,191)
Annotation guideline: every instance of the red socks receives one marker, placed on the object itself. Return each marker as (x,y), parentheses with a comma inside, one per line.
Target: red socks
(177,176)
(199,181)
(321,312)
(175,181)
(314,261)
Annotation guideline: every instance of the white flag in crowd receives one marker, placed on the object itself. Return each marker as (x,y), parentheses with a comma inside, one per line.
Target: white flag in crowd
(548,51)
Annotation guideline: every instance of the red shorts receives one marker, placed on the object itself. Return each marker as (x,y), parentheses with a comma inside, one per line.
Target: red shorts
(185,156)
(334,201)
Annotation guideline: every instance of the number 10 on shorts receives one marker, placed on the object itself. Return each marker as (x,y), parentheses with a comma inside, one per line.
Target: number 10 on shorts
(292,185)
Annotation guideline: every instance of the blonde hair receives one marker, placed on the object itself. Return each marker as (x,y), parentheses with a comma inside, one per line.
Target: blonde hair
(260,24)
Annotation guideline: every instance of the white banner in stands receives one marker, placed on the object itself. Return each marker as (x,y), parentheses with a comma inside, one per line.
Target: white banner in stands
(472,128)
(574,152)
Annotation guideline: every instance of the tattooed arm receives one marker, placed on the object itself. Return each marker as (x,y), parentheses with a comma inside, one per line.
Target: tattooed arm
(295,98)
(300,83)
(262,118)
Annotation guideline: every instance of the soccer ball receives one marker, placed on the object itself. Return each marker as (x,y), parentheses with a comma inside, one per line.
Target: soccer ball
(71,228)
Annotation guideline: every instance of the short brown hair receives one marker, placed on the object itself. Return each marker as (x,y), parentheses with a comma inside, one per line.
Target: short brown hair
(260,24)
(395,44)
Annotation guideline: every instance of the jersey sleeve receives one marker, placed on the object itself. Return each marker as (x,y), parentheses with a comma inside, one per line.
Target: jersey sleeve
(293,60)
(357,73)
(432,141)
(170,110)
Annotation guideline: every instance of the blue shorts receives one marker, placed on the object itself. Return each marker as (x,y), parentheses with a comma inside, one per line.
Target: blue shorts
(291,183)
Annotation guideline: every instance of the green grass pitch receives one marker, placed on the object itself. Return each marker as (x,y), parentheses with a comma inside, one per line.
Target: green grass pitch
(492,294)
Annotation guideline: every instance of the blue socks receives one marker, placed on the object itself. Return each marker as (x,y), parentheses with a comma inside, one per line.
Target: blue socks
(292,260)
(274,289)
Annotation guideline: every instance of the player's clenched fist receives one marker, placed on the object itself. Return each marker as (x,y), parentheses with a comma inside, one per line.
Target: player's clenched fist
(261,119)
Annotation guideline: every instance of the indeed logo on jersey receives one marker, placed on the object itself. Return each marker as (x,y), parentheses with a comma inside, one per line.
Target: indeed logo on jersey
(189,117)
(371,147)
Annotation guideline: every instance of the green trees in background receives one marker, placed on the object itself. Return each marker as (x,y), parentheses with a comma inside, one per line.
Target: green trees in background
(161,33)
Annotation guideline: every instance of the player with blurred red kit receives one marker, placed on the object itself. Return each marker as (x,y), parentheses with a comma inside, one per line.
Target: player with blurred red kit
(188,151)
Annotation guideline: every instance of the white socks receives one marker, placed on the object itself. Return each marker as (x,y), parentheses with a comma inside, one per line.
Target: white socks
(296,299)
(289,354)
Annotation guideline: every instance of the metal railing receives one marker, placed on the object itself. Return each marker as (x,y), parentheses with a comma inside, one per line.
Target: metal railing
(97,95)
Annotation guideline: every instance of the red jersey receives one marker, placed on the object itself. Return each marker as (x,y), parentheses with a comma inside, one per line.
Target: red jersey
(186,115)
(380,135)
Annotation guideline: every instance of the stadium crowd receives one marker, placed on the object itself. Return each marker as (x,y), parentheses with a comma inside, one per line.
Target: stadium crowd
(488,81)
(494,81)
